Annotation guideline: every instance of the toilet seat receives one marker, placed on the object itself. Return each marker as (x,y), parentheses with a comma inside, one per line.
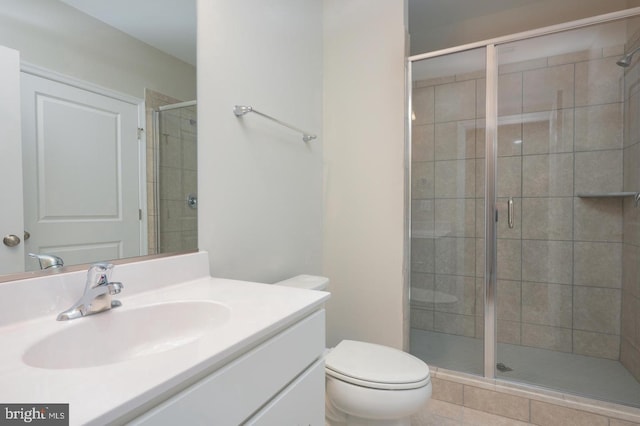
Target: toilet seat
(376,367)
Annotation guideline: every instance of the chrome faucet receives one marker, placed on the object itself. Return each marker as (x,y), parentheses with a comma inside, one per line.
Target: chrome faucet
(97,293)
(48,261)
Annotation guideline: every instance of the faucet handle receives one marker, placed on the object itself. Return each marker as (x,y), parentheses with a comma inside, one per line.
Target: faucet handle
(98,274)
(103,266)
(115,287)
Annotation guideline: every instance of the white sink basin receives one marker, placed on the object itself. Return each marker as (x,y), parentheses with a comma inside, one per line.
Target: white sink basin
(176,325)
(122,334)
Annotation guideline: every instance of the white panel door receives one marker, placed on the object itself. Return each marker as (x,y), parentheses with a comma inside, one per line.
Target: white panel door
(81,173)
(11,258)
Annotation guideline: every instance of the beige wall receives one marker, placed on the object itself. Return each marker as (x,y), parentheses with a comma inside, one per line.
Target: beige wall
(52,35)
(364,169)
(535,15)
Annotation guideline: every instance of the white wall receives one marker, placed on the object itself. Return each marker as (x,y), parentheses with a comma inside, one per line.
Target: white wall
(536,14)
(364,103)
(261,200)
(55,36)
(260,186)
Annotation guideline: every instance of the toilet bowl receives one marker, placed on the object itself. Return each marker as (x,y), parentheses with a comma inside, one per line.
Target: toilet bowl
(369,384)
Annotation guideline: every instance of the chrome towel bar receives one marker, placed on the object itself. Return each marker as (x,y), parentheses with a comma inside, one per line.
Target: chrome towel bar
(240,110)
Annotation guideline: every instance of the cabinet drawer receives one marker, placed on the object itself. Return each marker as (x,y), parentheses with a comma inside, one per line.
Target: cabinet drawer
(233,393)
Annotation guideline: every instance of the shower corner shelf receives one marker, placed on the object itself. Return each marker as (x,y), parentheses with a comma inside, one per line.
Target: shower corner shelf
(635,195)
(606,194)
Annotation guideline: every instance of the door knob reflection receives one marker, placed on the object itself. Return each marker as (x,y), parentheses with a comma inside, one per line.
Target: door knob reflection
(11,240)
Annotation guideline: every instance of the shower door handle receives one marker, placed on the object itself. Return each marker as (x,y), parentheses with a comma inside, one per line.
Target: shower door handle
(510,213)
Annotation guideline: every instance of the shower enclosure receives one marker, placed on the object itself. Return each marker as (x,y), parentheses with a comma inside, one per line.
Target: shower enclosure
(525,226)
(173,227)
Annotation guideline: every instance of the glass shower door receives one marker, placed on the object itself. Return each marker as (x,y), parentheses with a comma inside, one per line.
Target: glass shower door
(561,166)
(447,211)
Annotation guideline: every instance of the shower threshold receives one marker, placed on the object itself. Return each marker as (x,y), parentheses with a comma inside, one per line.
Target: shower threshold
(591,377)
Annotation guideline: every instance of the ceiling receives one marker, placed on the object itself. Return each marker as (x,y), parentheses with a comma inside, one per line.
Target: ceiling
(424,14)
(167,25)
(170,25)
(609,34)
(431,21)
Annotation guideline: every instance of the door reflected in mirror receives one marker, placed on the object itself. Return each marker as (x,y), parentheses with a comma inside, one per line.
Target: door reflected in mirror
(108,136)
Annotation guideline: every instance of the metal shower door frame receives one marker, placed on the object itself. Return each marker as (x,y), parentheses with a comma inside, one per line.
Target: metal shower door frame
(491,133)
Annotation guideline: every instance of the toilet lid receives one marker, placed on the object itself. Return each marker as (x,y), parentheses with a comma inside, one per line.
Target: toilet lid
(376,366)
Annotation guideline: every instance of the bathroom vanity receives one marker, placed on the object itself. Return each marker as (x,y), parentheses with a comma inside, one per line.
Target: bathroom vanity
(183,348)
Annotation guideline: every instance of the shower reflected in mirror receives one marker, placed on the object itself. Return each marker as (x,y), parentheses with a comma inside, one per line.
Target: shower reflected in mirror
(173,220)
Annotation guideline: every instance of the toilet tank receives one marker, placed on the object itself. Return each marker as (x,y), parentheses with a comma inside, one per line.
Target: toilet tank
(308,282)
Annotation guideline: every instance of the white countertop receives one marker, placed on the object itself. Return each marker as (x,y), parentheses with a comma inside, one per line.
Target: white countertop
(101,394)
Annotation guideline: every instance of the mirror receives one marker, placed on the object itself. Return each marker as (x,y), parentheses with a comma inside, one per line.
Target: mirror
(58,41)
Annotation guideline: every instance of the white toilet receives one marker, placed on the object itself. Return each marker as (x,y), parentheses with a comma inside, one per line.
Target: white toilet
(368,384)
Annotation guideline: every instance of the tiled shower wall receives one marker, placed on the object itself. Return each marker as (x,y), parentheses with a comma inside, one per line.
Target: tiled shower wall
(178,179)
(630,344)
(559,269)
(177,176)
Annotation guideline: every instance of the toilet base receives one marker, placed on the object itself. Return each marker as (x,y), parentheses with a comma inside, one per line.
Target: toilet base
(368,422)
(335,417)
(350,405)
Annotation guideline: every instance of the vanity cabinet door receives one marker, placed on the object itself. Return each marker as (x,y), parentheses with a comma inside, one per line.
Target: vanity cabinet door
(301,403)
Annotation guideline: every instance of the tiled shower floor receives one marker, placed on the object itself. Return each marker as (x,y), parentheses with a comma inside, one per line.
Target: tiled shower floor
(581,375)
